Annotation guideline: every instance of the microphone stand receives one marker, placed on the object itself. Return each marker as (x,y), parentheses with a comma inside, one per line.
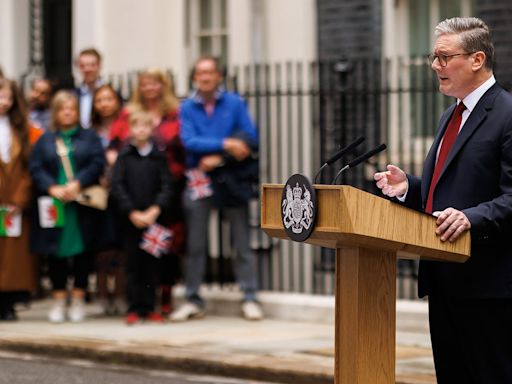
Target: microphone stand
(319,172)
(349,148)
(334,181)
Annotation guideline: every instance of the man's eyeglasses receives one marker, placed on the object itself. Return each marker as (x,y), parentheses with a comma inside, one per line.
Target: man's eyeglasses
(443,59)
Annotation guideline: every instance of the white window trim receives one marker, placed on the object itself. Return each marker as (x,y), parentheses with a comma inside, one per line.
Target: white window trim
(216,32)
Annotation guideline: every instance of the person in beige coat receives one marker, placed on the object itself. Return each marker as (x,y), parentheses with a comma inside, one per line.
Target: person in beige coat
(18,267)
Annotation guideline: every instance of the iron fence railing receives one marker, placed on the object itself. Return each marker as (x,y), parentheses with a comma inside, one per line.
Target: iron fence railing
(304,113)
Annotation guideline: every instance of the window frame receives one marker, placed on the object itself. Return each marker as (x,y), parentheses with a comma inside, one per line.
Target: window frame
(216,32)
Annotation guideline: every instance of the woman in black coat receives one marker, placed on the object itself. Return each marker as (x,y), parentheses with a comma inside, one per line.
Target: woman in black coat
(66,244)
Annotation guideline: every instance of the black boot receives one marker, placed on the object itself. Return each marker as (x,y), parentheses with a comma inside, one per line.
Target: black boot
(10,314)
(7,311)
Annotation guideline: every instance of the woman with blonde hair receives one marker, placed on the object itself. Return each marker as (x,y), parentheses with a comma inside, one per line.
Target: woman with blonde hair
(67,244)
(154,94)
(18,267)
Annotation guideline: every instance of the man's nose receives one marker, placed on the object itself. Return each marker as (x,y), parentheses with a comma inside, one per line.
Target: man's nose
(436,66)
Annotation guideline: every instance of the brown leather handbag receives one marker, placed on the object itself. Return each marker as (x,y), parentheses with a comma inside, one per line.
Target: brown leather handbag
(95,196)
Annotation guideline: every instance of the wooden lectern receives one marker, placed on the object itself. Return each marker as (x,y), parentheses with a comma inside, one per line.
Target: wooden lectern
(368,233)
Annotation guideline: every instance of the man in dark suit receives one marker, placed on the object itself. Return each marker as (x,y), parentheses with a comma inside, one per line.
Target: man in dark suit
(89,65)
(467,184)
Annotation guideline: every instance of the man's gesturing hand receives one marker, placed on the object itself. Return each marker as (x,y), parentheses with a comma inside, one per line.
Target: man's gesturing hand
(451,223)
(392,182)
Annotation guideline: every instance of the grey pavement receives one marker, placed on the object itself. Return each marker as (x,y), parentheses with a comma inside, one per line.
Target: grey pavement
(294,344)
(23,368)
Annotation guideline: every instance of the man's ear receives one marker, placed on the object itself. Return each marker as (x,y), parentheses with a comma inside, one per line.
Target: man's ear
(478,60)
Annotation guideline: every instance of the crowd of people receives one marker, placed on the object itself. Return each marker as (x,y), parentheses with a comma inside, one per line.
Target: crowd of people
(162,166)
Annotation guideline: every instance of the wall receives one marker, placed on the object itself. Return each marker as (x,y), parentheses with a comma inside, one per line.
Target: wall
(272,31)
(147,34)
(290,30)
(14,40)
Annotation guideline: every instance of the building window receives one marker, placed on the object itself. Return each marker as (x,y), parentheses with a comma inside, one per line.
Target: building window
(419,27)
(209,29)
(424,16)
(414,103)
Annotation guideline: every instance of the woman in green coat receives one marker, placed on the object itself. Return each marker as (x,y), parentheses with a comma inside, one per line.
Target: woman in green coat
(68,243)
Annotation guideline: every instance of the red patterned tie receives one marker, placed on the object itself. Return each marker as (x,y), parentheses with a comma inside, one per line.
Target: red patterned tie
(448,139)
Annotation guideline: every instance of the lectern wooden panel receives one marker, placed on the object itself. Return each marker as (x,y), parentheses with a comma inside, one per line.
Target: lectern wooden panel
(349,216)
(368,232)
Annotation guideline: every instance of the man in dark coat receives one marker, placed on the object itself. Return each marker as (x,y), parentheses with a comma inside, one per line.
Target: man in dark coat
(467,184)
(89,65)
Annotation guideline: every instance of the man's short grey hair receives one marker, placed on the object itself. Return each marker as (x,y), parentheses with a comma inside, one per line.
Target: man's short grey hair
(474,34)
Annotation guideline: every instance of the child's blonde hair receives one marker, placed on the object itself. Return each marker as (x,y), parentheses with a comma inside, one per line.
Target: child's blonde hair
(140,116)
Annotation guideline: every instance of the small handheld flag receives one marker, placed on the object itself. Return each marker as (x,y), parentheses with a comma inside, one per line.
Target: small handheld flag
(198,184)
(156,240)
(10,224)
(51,212)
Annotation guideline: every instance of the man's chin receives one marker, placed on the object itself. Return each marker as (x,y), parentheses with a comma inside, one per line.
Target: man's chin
(445,90)
(207,89)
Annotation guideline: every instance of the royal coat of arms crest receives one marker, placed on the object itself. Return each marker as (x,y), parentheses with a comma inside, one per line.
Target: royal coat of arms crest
(298,208)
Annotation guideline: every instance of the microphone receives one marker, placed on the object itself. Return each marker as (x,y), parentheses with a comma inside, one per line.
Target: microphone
(359,160)
(349,148)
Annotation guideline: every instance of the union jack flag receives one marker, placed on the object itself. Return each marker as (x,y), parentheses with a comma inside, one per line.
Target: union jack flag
(156,240)
(198,184)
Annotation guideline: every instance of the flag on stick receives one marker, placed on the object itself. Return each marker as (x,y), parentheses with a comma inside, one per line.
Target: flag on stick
(10,224)
(51,212)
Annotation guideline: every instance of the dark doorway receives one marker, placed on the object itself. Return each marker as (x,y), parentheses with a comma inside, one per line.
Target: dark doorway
(57,34)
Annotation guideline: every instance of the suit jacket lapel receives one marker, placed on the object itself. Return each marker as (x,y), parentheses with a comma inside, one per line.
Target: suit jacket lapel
(473,122)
